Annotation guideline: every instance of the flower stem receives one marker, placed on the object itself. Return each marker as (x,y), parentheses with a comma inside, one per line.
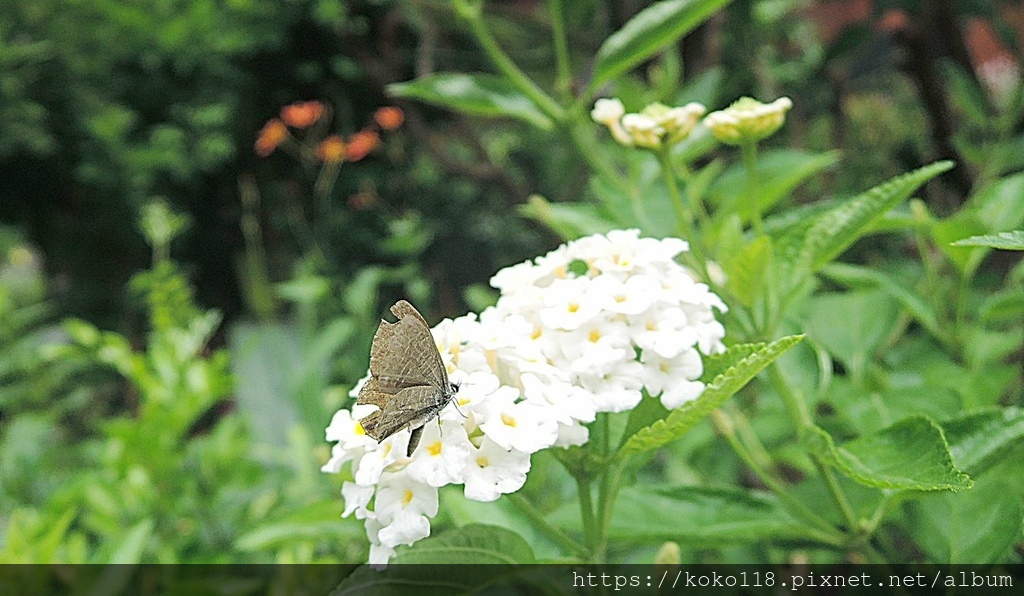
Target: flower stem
(590,531)
(550,530)
(471,11)
(749,150)
(683,215)
(563,78)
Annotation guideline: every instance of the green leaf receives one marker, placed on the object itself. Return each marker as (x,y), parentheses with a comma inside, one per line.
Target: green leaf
(700,516)
(867,319)
(778,173)
(685,417)
(131,547)
(568,220)
(979,440)
(474,543)
(914,304)
(1003,307)
(910,455)
(477,94)
(979,526)
(747,270)
(648,32)
(1005,240)
(494,552)
(807,247)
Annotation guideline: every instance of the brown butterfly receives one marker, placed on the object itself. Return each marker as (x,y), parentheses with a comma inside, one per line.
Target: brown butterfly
(408,380)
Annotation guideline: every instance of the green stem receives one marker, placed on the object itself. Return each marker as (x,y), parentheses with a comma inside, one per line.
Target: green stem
(471,11)
(749,150)
(795,405)
(563,78)
(683,215)
(550,530)
(587,516)
(724,425)
(838,495)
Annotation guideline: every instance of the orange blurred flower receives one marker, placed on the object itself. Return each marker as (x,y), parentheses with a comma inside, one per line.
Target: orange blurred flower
(274,132)
(361,144)
(389,117)
(331,150)
(302,113)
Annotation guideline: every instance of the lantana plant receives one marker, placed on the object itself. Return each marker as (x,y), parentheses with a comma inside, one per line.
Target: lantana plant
(689,269)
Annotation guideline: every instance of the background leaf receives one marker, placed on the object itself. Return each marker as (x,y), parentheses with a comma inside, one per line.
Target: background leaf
(477,94)
(911,454)
(1005,240)
(648,32)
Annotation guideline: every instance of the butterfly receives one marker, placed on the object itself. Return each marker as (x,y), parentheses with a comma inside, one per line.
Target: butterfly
(408,380)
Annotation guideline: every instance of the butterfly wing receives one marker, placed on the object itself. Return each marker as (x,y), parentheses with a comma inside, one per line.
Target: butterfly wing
(408,379)
(409,408)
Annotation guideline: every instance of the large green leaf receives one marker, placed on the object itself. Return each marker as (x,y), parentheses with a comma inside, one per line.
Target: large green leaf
(778,173)
(910,455)
(720,389)
(976,527)
(978,440)
(477,94)
(648,32)
(915,304)
(867,319)
(700,516)
(808,246)
(432,566)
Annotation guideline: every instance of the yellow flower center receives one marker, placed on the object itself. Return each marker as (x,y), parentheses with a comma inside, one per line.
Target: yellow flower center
(508,420)
(536,332)
(434,449)
(407,497)
(594,336)
(573,307)
(482,461)
(651,326)
(359,429)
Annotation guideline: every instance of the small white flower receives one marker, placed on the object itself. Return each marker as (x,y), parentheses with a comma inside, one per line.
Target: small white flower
(523,426)
(643,130)
(493,471)
(445,450)
(356,499)
(397,492)
(607,110)
(567,305)
(675,379)
(748,120)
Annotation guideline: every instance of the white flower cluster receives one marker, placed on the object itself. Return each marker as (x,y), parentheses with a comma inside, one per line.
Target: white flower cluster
(581,330)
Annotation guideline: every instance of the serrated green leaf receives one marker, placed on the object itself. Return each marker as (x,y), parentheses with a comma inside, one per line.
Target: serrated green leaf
(979,440)
(747,270)
(494,553)
(1003,240)
(648,32)
(720,389)
(976,527)
(477,94)
(910,455)
(807,247)
(700,516)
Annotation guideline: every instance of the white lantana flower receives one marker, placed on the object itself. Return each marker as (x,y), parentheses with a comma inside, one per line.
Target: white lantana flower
(657,125)
(585,329)
(748,120)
